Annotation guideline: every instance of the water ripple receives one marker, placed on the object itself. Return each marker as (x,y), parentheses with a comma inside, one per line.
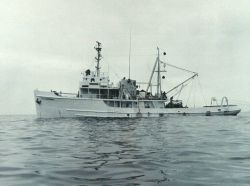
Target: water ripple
(155,151)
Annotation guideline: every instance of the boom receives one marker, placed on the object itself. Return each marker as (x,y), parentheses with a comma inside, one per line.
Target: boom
(195,74)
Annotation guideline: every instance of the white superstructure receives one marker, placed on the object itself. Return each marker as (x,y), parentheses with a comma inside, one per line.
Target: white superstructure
(98,97)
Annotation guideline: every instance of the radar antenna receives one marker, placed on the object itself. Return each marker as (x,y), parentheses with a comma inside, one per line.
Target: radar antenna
(98,58)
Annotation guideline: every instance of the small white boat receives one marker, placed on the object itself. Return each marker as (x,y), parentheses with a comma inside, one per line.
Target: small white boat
(98,97)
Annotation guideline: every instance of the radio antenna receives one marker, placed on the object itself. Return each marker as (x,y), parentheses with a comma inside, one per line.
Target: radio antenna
(129,55)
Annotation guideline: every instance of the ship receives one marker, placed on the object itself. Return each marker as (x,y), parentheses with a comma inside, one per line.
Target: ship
(97,96)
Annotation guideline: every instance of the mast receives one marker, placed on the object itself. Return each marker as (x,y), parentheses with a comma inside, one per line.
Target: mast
(157,62)
(158,75)
(151,76)
(98,57)
(129,55)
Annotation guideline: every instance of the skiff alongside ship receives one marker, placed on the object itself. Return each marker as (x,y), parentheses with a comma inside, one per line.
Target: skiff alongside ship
(98,97)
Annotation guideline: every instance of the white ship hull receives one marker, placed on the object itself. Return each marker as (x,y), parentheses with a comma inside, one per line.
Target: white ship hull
(49,105)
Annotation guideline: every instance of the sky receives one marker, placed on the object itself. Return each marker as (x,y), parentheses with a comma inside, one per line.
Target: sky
(46,44)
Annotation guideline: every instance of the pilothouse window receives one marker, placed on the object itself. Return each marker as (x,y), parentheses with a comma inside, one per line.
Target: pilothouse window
(94,91)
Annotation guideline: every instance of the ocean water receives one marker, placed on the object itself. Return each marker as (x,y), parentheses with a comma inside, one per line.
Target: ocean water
(175,150)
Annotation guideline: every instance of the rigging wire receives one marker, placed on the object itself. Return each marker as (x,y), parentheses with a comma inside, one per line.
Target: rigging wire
(117,76)
(183,69)
(190,91)
(194,93)
(201,89)
(174,94)
(180,91)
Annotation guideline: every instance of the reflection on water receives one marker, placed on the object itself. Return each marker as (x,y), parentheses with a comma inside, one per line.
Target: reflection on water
(155,151)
